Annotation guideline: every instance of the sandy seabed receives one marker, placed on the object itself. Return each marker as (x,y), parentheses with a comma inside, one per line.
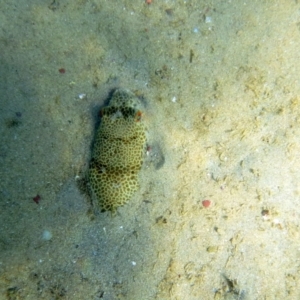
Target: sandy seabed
(220,84)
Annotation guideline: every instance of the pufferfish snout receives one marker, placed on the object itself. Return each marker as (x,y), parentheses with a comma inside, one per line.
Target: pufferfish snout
(118,151)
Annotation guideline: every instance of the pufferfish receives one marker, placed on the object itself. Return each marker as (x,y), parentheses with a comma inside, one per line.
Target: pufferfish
(117,153)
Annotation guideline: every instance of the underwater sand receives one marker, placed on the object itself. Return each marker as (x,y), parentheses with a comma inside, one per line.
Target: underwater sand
(220,81)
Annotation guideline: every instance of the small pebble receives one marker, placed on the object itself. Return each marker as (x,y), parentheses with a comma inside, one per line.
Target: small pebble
(208,19)
(37,199)
(82,96)
(206,203)
(47,235)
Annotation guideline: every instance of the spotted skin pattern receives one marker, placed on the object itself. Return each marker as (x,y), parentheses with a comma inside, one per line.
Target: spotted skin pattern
(118,152)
